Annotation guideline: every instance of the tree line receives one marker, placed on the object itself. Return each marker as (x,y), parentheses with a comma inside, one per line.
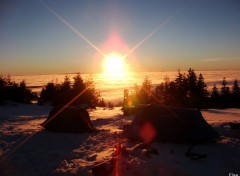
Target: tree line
(10,90)
(77,93)
(187,90)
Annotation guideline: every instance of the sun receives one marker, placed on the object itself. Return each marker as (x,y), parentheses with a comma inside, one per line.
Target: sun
(114,66)
(114,63)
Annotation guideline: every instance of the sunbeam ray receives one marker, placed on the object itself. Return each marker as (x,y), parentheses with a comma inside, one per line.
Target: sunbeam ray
(73,28)
(46,122)
(65,106)
(4,157)
(152,33)
(159,102)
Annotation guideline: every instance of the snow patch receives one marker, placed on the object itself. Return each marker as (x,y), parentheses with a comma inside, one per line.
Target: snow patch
(27,149)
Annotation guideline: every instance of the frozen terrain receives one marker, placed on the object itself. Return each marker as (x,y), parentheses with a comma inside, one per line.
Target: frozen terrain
(27,149)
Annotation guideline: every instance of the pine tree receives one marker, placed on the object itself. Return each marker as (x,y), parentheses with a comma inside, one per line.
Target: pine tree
(172,95)
(77,88)
(201,92)
(78,84)
(21,94)
(179,79)
(192,82)
(236,93)
(145,91)
(80,92)
(192,79)
(192,89)
(215,93)
(160,93)
(91,96)
(202,87)
(225,89)
(66,85)
(215,97)
(48,92)
(236,88)
(135,95)
(9,81)
(225,94)
(2,90)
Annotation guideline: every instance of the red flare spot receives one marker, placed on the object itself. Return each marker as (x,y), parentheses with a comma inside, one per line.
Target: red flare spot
(147,132)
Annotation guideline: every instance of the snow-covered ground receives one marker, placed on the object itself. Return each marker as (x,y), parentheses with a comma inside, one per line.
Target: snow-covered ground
(27,149)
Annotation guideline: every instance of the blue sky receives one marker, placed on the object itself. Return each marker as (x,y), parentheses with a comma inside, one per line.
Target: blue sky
(204,35)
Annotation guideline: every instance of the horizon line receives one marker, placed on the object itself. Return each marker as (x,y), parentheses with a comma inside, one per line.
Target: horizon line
(138,71)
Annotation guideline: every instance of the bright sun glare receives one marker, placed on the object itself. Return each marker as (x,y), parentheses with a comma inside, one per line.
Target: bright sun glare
(114,66)
(114,63)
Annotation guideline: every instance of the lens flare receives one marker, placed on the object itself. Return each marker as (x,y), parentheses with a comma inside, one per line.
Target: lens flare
(79,34)
(152,33)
